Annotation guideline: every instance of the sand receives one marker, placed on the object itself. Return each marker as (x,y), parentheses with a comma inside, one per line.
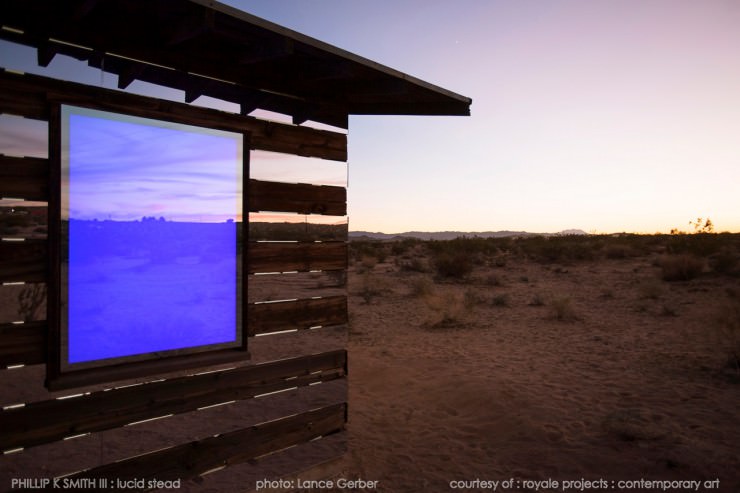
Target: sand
(532,376)
(629,385)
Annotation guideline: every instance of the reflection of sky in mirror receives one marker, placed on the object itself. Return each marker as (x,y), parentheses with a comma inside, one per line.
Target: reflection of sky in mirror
(124,168)
(274,166)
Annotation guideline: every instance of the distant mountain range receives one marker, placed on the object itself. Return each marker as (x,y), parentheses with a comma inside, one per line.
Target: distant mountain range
(451,235)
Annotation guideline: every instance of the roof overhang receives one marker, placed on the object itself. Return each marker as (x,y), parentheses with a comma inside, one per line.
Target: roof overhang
(206,48)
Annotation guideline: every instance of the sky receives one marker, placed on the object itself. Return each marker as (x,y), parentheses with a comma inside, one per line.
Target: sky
(124,168)
(606,116)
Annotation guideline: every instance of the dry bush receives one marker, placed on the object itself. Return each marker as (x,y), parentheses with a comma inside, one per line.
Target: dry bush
(682,267)
(453,265)
(371,288)
(562,309)
(617,251)
(368,262)
(446,310)
(421,286)
(725,262)
(415,264)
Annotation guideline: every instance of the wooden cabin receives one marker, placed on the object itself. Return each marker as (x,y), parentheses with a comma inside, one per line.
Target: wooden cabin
(270,403)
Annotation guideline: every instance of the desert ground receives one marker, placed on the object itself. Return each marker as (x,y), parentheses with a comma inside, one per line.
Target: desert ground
(540,364)
(543,363)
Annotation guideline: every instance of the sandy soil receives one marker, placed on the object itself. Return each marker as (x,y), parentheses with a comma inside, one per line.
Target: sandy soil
(480,379)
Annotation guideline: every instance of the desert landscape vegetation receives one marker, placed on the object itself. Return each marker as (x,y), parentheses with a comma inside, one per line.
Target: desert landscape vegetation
(562,358)
(534,359)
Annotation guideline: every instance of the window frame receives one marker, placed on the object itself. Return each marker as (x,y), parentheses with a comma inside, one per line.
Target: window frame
(61,374)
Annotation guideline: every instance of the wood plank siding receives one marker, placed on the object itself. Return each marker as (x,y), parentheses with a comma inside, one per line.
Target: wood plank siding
(279,411)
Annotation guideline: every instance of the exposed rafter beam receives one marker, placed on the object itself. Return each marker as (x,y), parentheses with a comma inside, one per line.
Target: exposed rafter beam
(192,28)
(45,53)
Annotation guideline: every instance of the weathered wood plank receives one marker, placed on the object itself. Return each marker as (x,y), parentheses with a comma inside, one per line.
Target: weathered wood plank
(286,257)
(23,344)
(23,261)
(317,460)
(91,450)
(51,420)
(296,231)
(28,178)
(27,260)
(297,197)
(27,303)
(29,95)
(24,177)
(195,458)
(296,285)
(301,314)
(26,385)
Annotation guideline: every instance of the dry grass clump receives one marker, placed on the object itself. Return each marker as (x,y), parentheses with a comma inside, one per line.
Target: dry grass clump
(453,265)
(421,286)
(562,309)
(412,264)
(683,267)
(371,288)
(368,263)
(446,310)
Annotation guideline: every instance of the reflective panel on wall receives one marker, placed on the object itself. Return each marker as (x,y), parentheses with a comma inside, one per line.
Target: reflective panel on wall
(151,217)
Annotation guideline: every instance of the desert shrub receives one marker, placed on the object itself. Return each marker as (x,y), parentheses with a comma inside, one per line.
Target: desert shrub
(455,265)
(402,247)
(724,262)
(368,262)
(682,267)
(562,309)
(446,310)
(617,251)
(360,249)
(421,286)
(549,249)
(414,264)
(370,288)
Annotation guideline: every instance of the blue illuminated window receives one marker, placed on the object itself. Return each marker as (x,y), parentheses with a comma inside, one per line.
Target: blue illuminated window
(151,238)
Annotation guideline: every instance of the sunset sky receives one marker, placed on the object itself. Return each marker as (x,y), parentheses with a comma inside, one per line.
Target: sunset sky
(124,168)
(603,116)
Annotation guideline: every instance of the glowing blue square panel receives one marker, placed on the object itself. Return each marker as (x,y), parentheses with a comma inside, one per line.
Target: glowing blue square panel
(151,238)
